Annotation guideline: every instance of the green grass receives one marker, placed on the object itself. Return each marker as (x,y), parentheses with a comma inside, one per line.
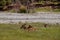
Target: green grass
(13,32)
(46,9)
(56,10)
(43,9)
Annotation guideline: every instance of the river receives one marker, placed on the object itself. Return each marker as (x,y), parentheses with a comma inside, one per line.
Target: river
(45,17)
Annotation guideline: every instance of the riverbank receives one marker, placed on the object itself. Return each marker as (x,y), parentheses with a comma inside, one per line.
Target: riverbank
(13,32)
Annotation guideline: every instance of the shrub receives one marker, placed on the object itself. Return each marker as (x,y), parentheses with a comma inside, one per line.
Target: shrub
(22,9)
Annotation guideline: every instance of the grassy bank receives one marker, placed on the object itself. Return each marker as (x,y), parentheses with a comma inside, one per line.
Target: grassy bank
(46,9)
(13,32)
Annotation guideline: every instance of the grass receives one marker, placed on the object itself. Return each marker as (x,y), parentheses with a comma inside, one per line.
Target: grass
(46,9)
(43,9)
(56,10)
(13,32)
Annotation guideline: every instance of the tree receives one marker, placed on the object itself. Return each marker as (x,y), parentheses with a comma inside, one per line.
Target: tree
(8,2)
(4,3)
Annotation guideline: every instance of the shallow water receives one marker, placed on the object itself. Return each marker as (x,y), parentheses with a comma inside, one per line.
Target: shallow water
(37,17)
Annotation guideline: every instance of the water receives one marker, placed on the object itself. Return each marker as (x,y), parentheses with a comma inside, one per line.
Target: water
(37,17)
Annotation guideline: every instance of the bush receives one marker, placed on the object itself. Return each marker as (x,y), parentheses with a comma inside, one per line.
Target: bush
(22,9)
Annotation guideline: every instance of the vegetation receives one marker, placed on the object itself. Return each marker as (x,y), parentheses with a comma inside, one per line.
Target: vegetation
(46,9)
(23,9)
(13,32)
(5,4)
(56,10)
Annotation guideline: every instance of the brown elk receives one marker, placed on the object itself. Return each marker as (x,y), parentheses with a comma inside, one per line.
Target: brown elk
(30,28)
(45,25)
(23,26)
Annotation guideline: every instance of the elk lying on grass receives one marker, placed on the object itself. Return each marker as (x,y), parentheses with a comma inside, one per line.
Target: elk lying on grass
(45,25)
(29,28)
(23,26)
